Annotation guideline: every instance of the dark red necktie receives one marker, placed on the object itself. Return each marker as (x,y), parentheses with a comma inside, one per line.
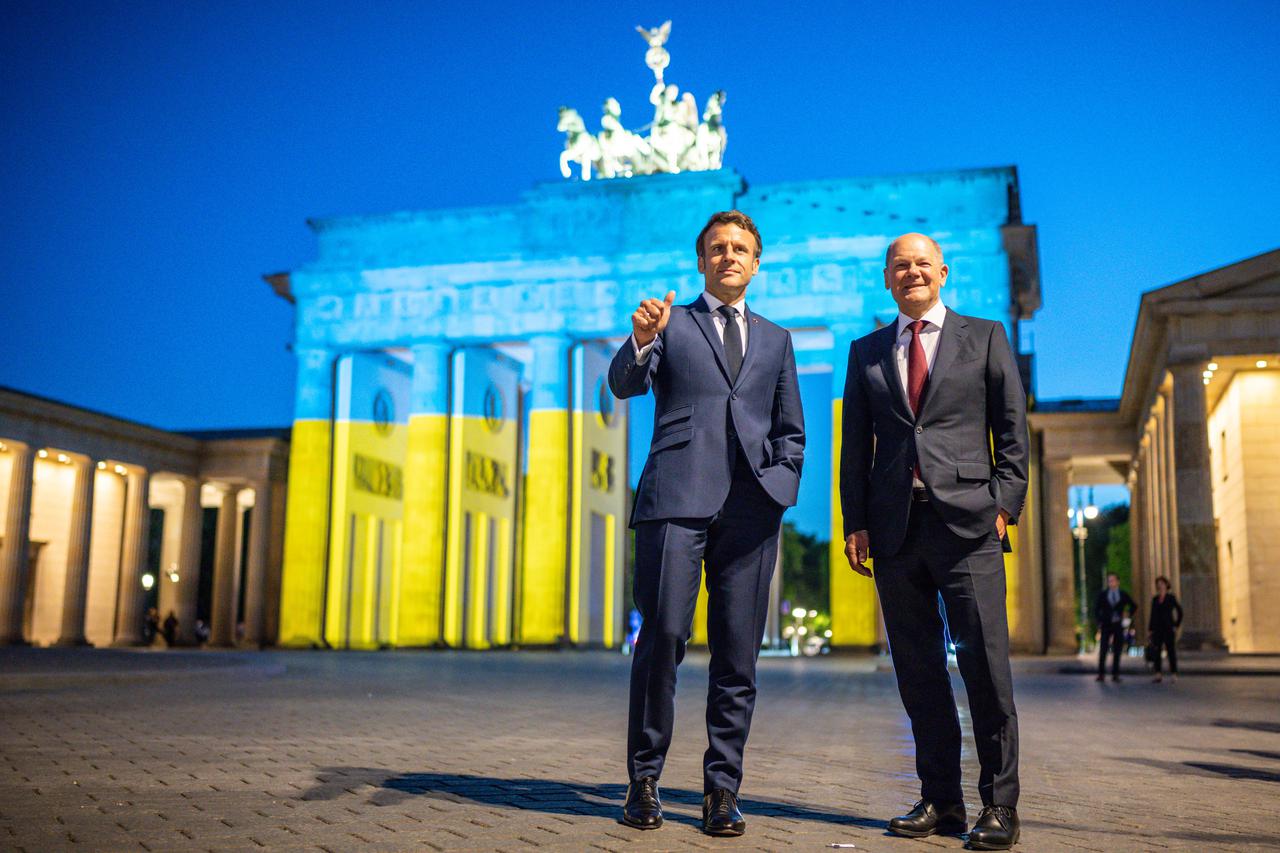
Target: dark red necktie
(917,366)
(917,374)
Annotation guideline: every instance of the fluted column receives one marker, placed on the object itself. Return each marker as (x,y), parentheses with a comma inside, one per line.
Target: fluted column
(133,558)
(17,530)
(79,533)
(223,630)
(1060,571)
(256,572)
(1197,548)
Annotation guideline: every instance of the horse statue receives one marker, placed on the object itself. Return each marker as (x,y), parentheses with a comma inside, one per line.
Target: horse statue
(712,137)
(579,146)
(622,153)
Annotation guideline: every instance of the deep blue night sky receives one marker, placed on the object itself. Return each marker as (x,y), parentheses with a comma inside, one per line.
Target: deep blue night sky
(159,157)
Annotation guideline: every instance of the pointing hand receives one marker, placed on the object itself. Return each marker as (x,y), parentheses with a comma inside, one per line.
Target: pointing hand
(651,318)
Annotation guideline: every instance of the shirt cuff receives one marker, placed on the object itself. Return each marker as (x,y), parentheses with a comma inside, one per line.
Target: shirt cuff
(642,352)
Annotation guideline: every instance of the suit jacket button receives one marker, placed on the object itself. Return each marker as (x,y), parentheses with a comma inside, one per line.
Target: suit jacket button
(919,430)
(733,396)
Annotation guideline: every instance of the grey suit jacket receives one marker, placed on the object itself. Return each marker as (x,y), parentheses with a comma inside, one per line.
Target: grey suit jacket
(970,438)
(700,418)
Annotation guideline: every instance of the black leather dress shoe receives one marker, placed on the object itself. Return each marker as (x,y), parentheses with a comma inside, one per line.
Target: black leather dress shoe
(996,829)
(930,818)
(643,809)
(720,815)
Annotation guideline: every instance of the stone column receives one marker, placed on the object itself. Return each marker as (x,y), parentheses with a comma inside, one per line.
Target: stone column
(133,559)
(13,555)
(546,583)
(223,630)
(77,573)
(1137,528)
(256,572)
(191,520)
(1060,560)
(425,498)
(1197,548)
(1169,493)
(855,607)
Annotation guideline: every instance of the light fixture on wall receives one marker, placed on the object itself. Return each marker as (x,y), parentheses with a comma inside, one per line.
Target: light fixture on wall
(173,572)
(148,581)
(4,448)
(1262,362)
(121,470)
(64,459)
(102,466)
(43,454)
(1213,365)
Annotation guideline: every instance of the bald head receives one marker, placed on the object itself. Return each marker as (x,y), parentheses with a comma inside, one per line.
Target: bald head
(914,273)
(888,253)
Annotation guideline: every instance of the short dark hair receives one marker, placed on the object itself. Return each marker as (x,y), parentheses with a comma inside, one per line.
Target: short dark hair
(1111,575)
(1164,580)
(731,217)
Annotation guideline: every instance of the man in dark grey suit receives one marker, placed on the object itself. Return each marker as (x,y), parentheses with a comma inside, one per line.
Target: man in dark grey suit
(728,444)
(933,466)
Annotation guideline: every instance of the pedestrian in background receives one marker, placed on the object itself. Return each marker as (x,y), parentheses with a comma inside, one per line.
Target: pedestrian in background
(1162,628)
(1114,611)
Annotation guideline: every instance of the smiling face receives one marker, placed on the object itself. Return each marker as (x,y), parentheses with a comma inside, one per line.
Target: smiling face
(915,274)
(729,258)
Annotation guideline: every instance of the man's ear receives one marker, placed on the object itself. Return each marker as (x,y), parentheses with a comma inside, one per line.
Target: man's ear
(755,266)
(942,282)
(702,265)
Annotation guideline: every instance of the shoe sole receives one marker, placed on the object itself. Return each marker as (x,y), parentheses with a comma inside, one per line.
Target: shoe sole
(978,845)
(626,822)
(949,829)
(724,833)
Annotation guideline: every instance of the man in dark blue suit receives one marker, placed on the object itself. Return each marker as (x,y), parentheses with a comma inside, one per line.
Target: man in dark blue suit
(933,466)
(728,444)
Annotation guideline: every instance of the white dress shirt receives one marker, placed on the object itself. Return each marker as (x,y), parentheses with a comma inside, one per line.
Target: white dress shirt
(717,320)
(929,337)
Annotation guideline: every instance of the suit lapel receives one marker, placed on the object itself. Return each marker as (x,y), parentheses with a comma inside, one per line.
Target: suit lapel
(889,367)
(702,316)
(754,330)
(953,334)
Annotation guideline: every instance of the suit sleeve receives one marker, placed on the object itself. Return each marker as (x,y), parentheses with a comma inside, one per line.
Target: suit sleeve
(629,377)
(1007,419)
(786,433)
(855,448)
(1177,613)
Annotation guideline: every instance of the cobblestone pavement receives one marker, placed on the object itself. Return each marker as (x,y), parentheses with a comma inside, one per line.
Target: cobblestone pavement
(118,750)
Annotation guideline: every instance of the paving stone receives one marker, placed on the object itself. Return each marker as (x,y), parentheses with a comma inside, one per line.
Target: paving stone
(117,750)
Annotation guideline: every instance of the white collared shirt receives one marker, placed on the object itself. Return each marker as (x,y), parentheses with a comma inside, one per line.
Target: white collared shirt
(929,337)
(717,320)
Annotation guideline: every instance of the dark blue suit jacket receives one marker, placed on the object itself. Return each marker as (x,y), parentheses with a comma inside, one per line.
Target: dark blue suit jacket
(970,438)
(699,416)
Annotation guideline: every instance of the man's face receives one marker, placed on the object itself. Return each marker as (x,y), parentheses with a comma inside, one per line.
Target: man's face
(915,274)
(728,258)
(1113,582)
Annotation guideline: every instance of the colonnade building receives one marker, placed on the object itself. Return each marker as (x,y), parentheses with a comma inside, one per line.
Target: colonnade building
(103,503)
(1194,437)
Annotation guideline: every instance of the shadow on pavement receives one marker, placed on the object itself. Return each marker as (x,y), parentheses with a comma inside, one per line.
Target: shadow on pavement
(542,795)
(1252,725)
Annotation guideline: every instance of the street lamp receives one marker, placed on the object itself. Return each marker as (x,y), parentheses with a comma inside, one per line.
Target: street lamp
(1078,516)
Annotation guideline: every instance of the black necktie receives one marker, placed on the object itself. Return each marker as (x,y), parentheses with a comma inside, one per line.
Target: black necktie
(732,341)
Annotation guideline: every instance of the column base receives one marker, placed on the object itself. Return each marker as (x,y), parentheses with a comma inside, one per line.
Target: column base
(70,643)
(15,641)
(1201,641)
(126,642)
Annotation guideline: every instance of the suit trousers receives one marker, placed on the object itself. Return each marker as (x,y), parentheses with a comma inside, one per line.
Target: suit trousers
(1166,641)
(1112,639)
(739,546)
(969,575)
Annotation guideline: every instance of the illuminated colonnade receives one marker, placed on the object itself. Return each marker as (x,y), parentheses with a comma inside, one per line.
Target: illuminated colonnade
(82,490)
